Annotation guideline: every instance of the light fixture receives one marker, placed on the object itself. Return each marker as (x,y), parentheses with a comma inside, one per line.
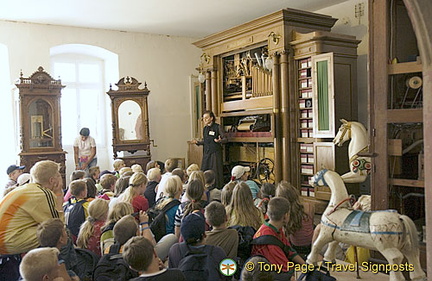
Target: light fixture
(205,60)
(269,63)
(274,37)
(201,77)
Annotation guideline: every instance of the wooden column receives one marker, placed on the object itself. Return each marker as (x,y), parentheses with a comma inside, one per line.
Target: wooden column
(419,12)
(208,91)
(379,89)
(285,117)
(277,120)
(214,99)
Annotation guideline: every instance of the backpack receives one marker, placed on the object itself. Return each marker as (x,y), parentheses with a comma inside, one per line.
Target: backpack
(272,240)
(198,264)
(112,267)
(246,234)
(74,215)
(158,220)
(86,262)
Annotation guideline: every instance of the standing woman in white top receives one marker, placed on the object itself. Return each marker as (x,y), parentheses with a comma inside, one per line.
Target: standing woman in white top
(85,150)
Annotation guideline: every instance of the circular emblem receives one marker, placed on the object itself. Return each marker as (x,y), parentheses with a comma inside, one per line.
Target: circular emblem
(228,267)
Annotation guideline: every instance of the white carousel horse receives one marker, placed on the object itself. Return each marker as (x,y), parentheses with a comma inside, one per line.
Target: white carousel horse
(359,165)
(388,232)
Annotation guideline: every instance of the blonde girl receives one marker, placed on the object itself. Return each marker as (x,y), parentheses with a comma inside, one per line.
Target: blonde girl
(300,226)
(173,190)
(134,193)
(118,211)
(242,211)
(196,175)
(90,231)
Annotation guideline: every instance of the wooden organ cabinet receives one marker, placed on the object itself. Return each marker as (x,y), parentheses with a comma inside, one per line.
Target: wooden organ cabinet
(39,99)
(260,79)
(397,115)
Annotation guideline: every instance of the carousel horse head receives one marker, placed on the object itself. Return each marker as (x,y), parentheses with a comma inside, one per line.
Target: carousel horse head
(344,133)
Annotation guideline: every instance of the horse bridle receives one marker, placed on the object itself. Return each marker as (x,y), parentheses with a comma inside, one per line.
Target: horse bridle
(347,129)
(320,176)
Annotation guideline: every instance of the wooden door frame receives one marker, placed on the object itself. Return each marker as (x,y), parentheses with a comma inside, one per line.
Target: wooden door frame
(420,12)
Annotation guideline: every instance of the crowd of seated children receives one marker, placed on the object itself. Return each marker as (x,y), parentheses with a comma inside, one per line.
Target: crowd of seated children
(220,235)
(90,231)
(183,177)
(242,210)
(134,193)
(300,226)
(170,165)
(107,183)
(76,208)
(52,233)
(115,213)
(13,172)
(242,173)
(91,189)
(173,189)
(124,229)
(94,174)
(24,209)
(117,165)
(43,264)
(279,215)
(141,256)
(194,193)
(155,164)
(122,216)
(226,193)
(125,171)
(154,177)
(137,168)
(193,233)
(197,175)
(213,192)
(268,191)
(76,175)
(121,185)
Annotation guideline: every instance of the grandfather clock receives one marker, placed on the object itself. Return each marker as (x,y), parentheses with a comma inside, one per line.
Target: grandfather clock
(129,108)
(39,97)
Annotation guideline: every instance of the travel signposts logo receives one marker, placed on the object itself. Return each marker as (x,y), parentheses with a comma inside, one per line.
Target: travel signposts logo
(228,267)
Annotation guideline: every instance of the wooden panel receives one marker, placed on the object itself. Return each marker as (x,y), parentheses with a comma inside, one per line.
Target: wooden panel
(405,67)
(324,158)
(253,103)
(395,147)
(407,182)
(194,154)
(324,155)
(405,115)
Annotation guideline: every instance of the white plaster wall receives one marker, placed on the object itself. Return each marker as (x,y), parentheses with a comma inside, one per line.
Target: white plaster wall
(350,25)
(164,62)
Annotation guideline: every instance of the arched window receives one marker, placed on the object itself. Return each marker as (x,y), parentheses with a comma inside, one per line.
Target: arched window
(86,71)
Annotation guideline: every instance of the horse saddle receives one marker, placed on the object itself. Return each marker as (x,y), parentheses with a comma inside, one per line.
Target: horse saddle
(357,221)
